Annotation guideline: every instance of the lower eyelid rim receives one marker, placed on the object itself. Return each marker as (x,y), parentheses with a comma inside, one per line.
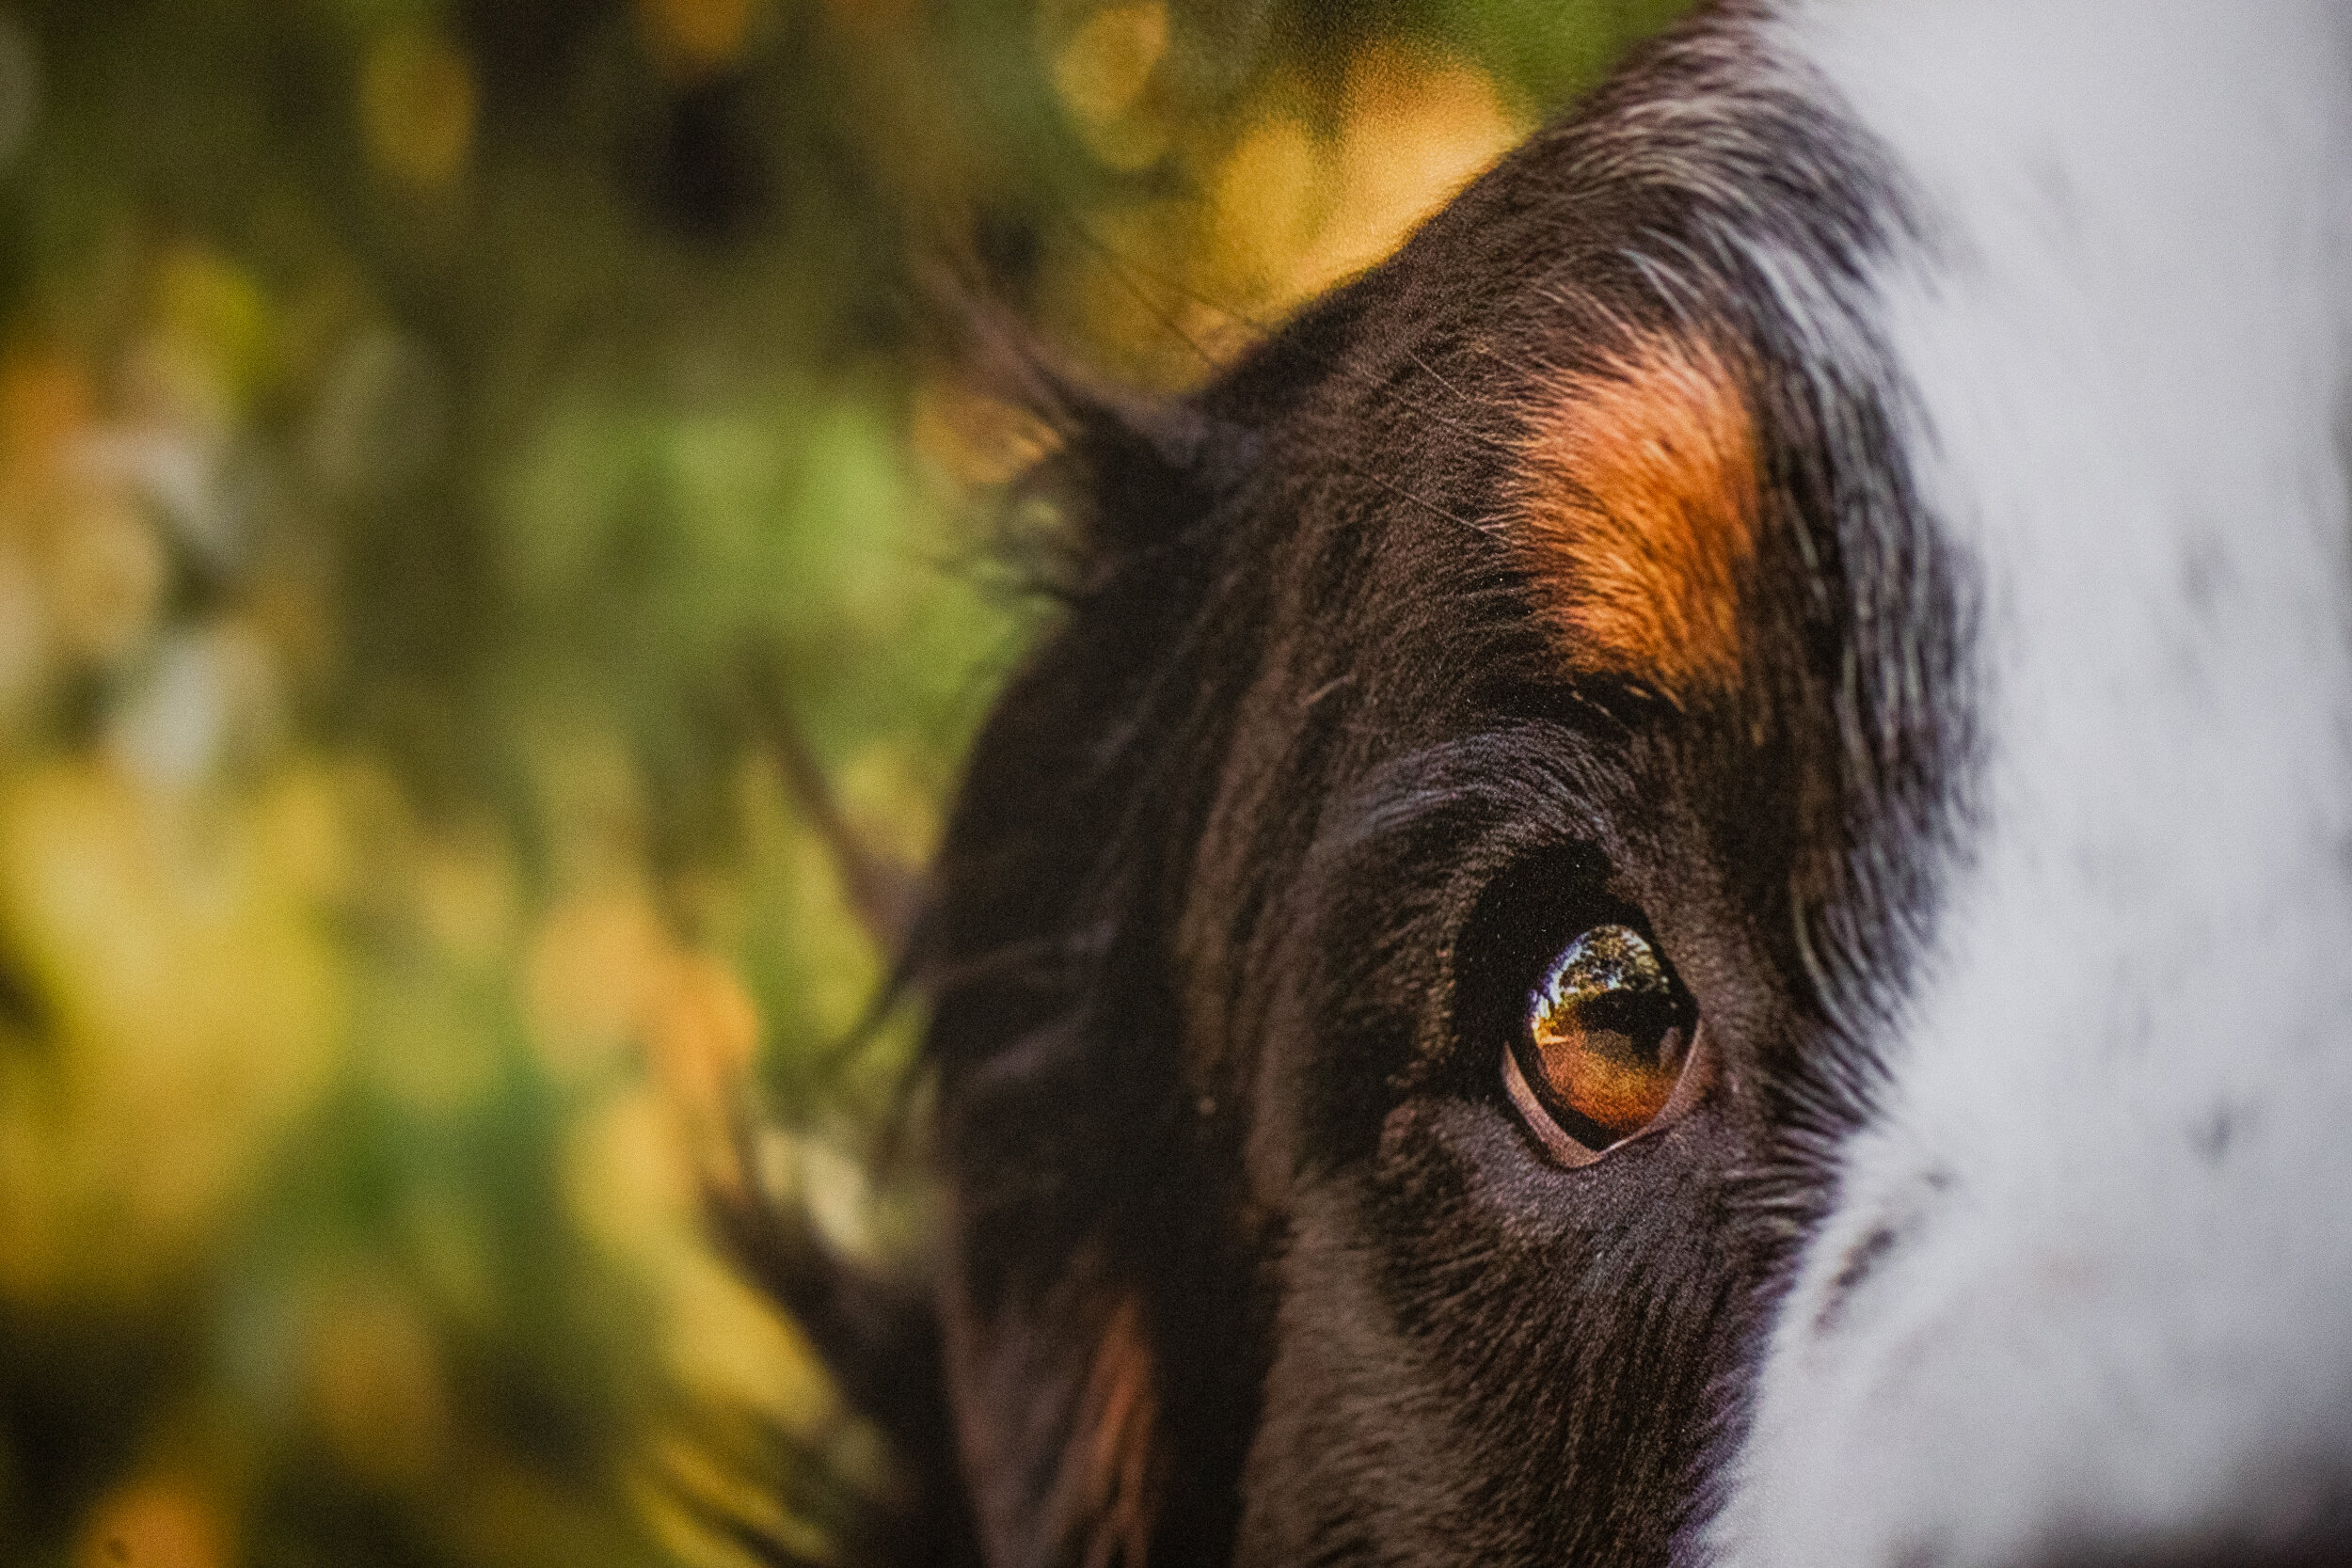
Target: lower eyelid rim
(1563,1150)
(1697,1072)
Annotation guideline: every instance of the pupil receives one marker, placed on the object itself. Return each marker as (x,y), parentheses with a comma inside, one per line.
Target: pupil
(1609,979)
(1636,1031)
(1610,1034)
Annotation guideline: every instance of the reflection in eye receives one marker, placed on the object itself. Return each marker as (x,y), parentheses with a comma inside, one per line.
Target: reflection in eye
(1606,1041)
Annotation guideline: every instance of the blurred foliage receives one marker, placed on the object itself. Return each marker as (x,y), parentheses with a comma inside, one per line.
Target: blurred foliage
(437,439)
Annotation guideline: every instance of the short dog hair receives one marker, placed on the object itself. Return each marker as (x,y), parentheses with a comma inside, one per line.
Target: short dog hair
(1816,587)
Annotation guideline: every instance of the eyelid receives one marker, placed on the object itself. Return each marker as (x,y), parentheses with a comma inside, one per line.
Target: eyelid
(1698,1071)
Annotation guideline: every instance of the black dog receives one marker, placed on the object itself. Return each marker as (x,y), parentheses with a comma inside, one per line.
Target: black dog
(1681,890)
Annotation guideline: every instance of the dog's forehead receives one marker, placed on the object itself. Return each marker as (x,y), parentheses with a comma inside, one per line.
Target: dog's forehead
(1904,505)
(1622,420)
(1907,503)
(1926,437)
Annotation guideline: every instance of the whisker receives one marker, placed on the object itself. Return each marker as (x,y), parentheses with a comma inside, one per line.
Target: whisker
(1460,396)
(1127,273)
(1485,531)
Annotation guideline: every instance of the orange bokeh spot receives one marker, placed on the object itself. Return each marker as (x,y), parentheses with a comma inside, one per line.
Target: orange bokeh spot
(44,403)
(697,37)
(417,108)
(591,977)
(702,1037)
(153,1523)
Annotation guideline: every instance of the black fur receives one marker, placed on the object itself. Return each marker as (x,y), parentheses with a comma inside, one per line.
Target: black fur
(1260,852)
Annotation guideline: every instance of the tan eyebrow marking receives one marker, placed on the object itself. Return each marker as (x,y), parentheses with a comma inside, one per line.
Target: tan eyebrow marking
(1637,515)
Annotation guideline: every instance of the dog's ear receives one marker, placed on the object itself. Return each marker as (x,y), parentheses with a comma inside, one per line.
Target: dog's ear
(1100,1305)
(1080,1321)
(1029,1367)
(1076,1183)
(1058,1395)
(1116,470)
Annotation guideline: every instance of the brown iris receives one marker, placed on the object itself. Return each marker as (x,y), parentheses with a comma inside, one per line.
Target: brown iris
(1607,1038)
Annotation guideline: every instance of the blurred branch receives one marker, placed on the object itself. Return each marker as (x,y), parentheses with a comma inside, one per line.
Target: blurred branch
(885,893)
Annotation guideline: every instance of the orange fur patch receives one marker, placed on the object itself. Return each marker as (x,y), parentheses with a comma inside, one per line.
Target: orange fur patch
(1107,1472)
(1638,518)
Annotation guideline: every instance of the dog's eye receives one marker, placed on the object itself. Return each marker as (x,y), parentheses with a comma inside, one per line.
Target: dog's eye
(1607,1041)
